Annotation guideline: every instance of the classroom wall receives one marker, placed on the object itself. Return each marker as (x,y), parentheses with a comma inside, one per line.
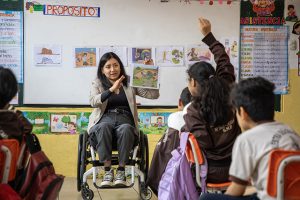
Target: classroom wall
(290,113)
(130,23)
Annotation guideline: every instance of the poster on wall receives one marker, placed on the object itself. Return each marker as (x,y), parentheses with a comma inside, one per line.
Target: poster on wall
(11,42)
(292,19)
(196,53)
(232,49)
(154,122)
(169,56)
(47,54)
(120,51)
(141,55)
(262,12)
(63,123)
(85,57)
(265,53)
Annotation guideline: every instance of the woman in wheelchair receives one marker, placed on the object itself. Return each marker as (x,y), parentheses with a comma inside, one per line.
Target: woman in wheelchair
(115,117)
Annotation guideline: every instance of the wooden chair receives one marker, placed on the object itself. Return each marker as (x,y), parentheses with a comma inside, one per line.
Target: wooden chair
(284,175)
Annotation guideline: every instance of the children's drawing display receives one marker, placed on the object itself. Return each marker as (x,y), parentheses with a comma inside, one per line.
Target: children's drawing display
(62,50)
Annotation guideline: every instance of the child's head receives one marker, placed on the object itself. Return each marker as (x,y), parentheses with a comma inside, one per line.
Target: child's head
(199,73)
(210,93)
(185,98)
(8,86)
(255,98)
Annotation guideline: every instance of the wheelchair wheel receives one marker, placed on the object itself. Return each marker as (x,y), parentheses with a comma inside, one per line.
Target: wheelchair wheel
(86,192)
(79,178)
(144,155)
(81,168)
(145,192)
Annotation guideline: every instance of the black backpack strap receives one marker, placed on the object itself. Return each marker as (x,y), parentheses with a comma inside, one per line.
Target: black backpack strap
(32,143)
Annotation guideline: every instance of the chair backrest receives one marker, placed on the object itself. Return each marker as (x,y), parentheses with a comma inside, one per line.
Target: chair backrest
(284,174)
(8,159)
(195,155)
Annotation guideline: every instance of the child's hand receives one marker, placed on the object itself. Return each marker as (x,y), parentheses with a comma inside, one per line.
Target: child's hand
(204,26)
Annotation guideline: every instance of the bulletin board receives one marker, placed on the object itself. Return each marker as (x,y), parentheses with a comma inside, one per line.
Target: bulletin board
(130,23)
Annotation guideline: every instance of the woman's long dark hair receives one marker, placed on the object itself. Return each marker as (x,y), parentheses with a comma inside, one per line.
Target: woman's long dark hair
(103,79)
(213,100)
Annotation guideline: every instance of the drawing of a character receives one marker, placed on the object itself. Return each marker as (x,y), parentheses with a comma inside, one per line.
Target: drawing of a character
(263,7)
(193,56)
(296,28)
(84,59)
(72,127)
(291,14)
(159,122)
(234,49)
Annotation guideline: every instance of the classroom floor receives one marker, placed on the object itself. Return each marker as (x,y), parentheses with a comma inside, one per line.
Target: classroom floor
(69,192)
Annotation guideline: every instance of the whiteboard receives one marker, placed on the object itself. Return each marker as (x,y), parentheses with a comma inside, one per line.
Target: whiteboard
(124,23)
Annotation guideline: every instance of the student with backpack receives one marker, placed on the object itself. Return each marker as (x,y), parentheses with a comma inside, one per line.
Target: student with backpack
(254,102)
(167,143)
(13,125)
(210,116)
(37,178)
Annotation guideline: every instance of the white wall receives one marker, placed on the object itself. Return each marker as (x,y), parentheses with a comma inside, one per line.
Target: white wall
(129,23)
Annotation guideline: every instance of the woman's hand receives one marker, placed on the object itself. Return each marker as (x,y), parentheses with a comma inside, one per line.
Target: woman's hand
(117,84)
(204,26)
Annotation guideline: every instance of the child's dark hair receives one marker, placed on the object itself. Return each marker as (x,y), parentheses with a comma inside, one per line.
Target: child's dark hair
(8,86)
(213,101)
(185,96)
(105,82)
(256,96)
(291,6)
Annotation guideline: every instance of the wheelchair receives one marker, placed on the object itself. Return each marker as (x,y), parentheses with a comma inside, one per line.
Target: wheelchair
(138,163)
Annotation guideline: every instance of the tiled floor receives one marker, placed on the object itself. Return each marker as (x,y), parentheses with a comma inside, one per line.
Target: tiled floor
(69,192)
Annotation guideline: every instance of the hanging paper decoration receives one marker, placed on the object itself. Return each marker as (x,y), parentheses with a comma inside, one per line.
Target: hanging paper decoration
(211,2)
(229,2)
(220,1)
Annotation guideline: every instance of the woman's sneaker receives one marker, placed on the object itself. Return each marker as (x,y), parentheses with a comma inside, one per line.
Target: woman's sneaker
(108,178)
(120,179)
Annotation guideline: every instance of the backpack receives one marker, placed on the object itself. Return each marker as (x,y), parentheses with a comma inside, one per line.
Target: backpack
(177,182)
(161,156)
(38,180)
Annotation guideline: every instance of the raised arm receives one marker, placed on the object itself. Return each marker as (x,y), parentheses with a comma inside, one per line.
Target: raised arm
(224,68)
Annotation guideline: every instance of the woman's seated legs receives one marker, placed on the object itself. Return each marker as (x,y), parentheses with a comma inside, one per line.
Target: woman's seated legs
(126,138)
(102,136)
(125,134)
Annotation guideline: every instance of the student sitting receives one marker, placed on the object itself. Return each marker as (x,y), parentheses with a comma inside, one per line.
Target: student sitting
(167,143)
(12,123)
(253,100)
(210,116)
